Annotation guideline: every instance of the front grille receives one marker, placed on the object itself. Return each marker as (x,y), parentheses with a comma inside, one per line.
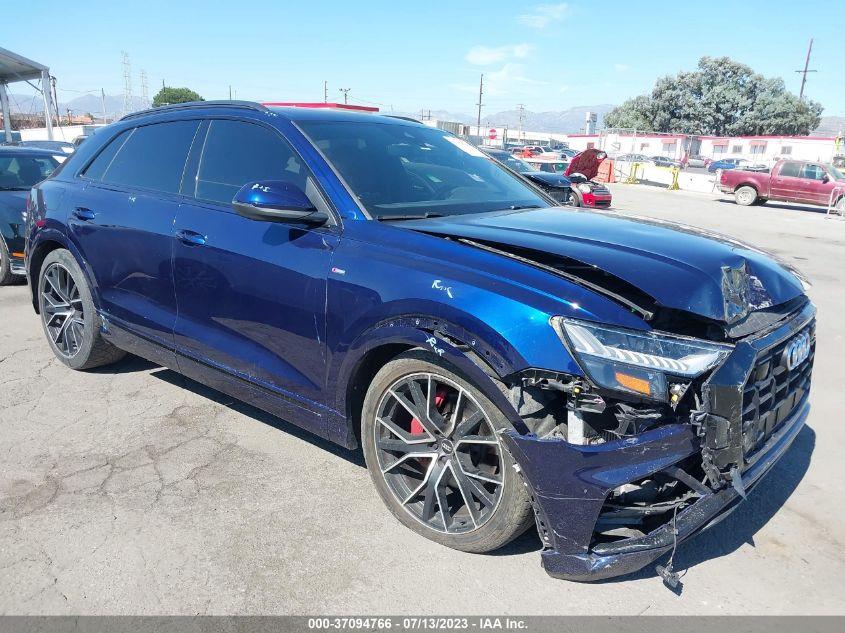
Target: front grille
(773,391)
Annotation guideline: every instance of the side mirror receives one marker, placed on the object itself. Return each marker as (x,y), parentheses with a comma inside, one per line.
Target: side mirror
(276,201)
(825,179)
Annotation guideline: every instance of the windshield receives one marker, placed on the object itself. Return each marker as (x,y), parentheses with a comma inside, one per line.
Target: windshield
(21,172)
(399,171)
(835,172)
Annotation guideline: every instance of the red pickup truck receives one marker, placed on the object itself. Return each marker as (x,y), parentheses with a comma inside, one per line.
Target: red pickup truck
(791,181)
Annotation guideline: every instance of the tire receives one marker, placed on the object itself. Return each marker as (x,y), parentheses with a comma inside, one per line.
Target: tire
(574,199)
(6,276)
(745,196)
(504,515)
(840,206)
(68,315)
(760,201)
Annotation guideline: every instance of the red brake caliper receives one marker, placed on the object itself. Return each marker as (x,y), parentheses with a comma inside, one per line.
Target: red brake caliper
(439,399)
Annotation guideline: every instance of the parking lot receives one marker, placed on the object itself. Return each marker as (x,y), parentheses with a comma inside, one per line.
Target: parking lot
(131,490)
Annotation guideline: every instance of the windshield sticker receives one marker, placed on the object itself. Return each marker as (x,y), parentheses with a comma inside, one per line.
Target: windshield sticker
(463,145)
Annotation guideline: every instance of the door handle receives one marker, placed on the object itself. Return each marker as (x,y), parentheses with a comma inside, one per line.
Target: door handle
(192,238)
(81,213)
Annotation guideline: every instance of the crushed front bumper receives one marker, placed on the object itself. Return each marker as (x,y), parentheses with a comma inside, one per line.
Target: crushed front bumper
(569,484)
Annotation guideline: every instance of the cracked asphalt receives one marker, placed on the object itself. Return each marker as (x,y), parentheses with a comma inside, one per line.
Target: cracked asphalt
(131,490)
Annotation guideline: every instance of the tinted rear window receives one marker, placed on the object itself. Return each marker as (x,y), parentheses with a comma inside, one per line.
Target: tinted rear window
(100,164)
(790,169)
(153,156)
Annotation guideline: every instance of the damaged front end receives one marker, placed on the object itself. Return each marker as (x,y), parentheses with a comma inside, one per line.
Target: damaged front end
(617,478)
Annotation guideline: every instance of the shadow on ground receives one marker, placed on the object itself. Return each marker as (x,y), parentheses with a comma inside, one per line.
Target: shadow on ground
(739,528)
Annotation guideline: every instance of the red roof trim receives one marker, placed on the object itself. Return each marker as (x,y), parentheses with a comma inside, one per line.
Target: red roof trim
(720,142)
(320,104)
(775,138)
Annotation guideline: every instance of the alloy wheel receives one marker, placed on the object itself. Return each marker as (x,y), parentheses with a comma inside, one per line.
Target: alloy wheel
(62,310)
(438,453)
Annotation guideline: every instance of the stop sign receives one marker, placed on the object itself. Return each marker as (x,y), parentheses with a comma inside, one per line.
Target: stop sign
(492,134)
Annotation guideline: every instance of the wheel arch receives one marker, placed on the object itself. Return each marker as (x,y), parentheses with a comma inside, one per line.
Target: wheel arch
(470,355)
(48,241)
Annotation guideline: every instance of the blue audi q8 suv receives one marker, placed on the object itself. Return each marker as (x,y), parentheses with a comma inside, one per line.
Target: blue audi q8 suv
(502,361)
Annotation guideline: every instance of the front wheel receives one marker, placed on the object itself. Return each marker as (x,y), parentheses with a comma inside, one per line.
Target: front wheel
(745,196)
(574,200)
(68,315)
(432,445)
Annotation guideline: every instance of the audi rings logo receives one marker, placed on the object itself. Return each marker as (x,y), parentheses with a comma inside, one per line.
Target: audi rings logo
(797,351)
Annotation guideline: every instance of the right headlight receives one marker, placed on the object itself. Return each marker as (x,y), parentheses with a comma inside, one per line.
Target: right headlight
(643,363)
(583,187)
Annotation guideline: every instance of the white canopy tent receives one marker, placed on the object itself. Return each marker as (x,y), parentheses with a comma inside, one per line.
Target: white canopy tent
(14,68)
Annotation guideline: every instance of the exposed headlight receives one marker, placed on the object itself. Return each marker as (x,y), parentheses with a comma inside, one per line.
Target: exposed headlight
(637,362)
(583,187)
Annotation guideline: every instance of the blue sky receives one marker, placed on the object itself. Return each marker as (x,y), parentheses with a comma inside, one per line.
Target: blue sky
(412,55)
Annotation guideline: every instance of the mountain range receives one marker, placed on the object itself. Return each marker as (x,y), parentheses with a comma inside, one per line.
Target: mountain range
(570,121)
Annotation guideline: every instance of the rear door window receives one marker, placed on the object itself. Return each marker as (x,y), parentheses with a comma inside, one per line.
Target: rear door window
(790,170)
(153,156)
(237,152)
(101,163)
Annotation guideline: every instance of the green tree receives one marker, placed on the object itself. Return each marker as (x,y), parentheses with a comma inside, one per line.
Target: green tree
(167,96)
(722,97)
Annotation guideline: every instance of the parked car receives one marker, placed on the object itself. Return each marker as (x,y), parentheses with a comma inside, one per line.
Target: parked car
(790,181)
(633,158)
(556,185)
(56,147)
(20,169)
(502,361)
(665,161)
(736,163)
(698,161)
(581,171)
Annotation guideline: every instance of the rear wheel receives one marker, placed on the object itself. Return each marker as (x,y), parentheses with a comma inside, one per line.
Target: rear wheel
(432,446)
(745,196)
(68,314)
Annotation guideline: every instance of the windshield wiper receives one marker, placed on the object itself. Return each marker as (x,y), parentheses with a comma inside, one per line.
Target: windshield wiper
(520,207)
(418,216)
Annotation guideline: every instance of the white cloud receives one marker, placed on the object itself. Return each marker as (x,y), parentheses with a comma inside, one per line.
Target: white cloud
(544,14)
(621,68)
(509,80)
(486,55)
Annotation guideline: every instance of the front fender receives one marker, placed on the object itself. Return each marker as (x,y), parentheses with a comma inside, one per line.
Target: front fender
(443,338)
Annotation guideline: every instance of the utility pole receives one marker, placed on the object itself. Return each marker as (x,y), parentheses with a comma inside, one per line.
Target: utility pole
(103,103)
(230,92)
(480,94)
(805,71)
(127,83)
(145,95)
(521,108)
(345,92)
(325,91)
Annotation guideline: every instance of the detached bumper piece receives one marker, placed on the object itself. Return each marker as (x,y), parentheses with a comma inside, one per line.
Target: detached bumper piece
(609,509)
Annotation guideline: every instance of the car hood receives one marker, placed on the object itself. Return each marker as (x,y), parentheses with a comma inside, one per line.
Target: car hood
(679,267)
(548,179)
(586,163)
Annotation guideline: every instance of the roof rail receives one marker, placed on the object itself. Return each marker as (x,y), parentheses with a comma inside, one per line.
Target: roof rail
(403,118)
(248,105)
